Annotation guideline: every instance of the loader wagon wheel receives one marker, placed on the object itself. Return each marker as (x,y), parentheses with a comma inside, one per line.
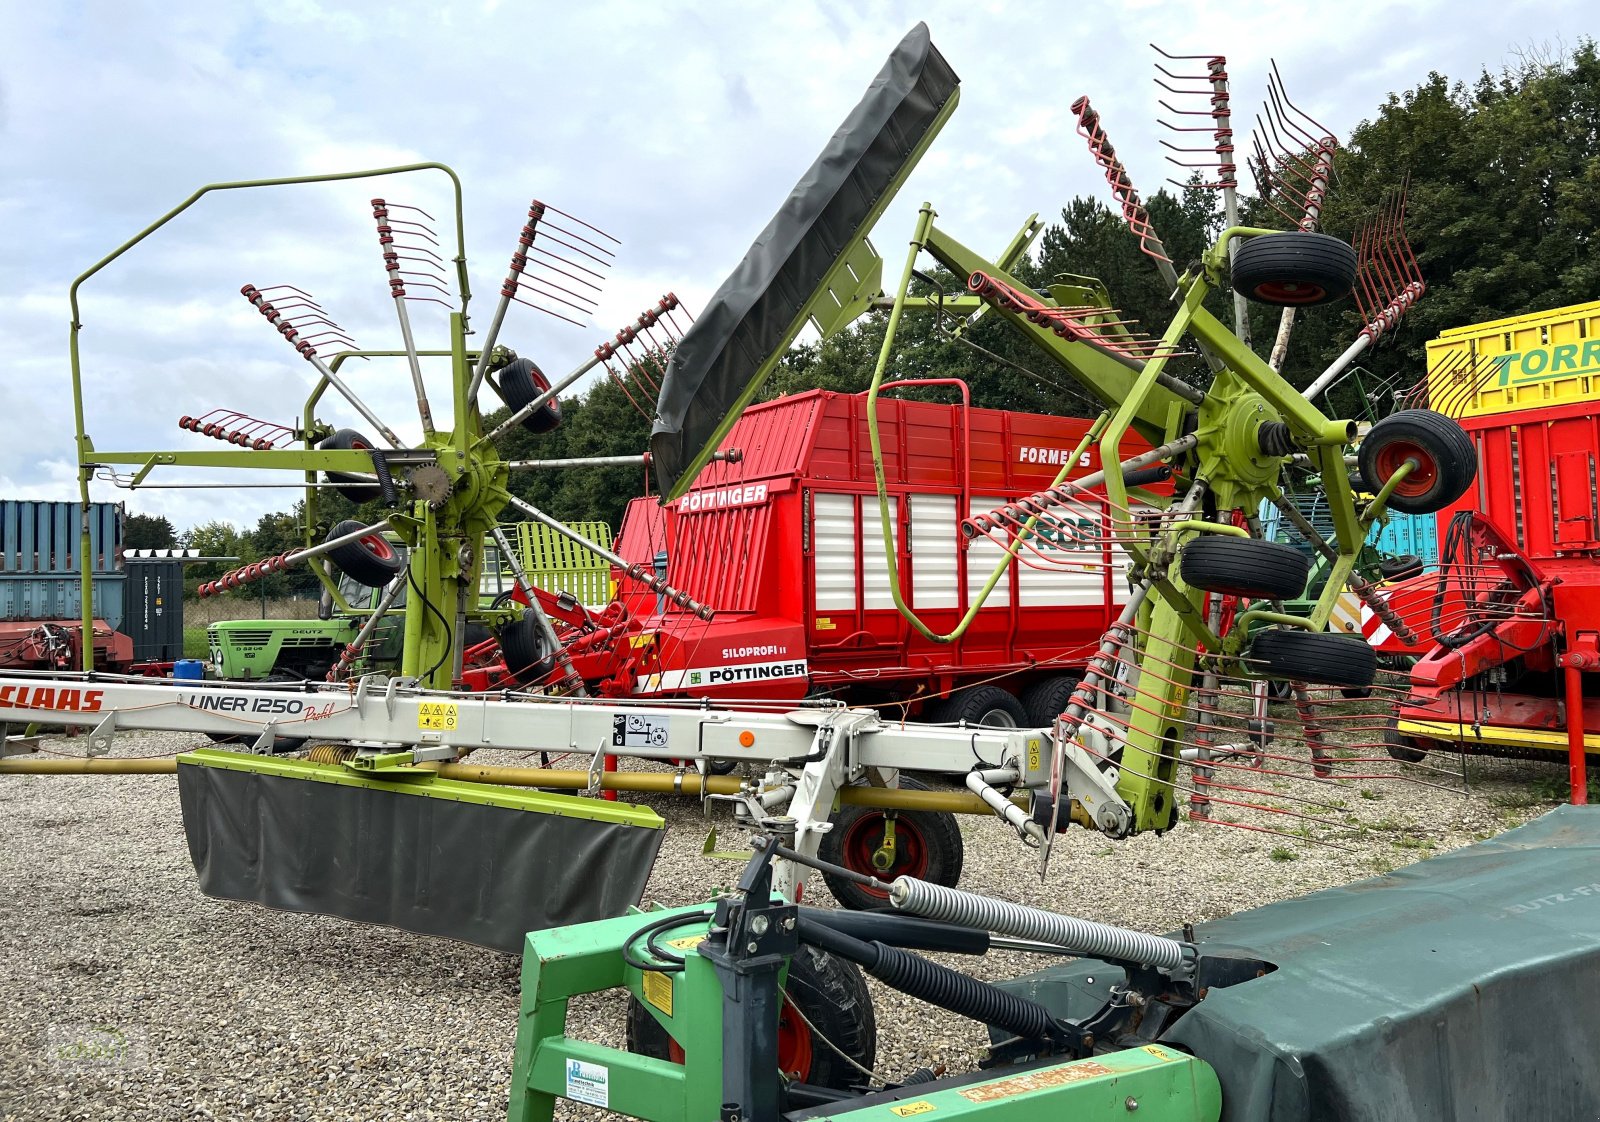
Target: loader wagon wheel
(1294,270)
(1249,567)
(1047,699)
(370,560)
(987,706)
(1320,657)
(1446,460)
(927,845)
(520,382)
(349,440)
(820,988)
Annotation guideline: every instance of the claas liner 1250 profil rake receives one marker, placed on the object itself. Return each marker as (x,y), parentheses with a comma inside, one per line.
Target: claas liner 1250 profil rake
(1200,623)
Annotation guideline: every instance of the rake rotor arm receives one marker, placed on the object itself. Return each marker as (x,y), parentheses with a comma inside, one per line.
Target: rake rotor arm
(1107,377)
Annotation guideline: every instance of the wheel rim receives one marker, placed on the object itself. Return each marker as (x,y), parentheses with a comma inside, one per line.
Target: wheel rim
(997,719)
(1392,456)
(1291,292)
(865,835)
(376,546)
(794,1044)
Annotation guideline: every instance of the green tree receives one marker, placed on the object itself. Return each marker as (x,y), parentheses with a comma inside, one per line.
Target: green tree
(148,531)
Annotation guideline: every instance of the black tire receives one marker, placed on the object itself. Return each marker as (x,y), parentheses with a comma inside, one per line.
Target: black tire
(528,656)
(349,440)
(1047,699)
(520,382)
(1447,463)
(1250,567)
(927,846)
(832,995)
(984,706)
(1406,749)
(1294,270)
(1320,657)
(371,560)
(1400,568)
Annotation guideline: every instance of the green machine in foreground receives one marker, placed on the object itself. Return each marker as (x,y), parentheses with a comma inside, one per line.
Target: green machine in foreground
(1409,996)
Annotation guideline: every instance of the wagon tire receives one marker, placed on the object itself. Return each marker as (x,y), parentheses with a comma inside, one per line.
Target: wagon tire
(827,991)
(1294,270)
(1447,462)
(349,440)
(1315,656)
(527,652)
(981,706)
(368,560)
(520,382)
(1047,699)
(1248,567)
(927,846)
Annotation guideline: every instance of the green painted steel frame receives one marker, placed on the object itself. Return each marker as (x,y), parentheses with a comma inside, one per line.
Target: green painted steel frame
(445,544)
(1244,394)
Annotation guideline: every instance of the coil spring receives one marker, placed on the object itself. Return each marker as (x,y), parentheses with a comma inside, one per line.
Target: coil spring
(1096,940)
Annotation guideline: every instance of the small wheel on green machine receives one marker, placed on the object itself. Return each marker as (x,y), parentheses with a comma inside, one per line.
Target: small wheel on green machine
(1314,656)
(927,845)
(369,560)
(361,490)
(1446,461)
(821,988)
(1294,269)
(1249,567)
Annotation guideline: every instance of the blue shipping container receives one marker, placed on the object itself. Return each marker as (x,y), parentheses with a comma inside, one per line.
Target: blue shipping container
(39,561)
(1416,534)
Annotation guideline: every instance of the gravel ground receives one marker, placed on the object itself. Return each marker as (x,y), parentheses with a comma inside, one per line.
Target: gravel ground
(208,1009)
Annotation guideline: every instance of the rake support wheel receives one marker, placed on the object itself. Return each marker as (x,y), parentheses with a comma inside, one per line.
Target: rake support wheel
(1249,567)
(520,382)
(1294,270)
(371,560)
(1446,460)
(927,846)
(1319,657)
(349,440)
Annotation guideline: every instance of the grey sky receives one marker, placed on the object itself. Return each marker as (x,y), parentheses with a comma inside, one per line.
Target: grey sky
(677,127)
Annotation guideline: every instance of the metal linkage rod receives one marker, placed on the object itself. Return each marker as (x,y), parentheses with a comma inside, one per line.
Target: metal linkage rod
(731,456)
(508,292)
(397,289)
(563,657)
(1063,495)
(258,569)
(982,784)
(353,649)
(602,353)
(309,353)
(629,569)
(1369,593)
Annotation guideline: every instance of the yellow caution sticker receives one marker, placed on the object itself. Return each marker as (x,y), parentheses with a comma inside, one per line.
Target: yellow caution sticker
(825,624)
(439,715)
(658,990)
(687,943)
(1034,757)
(1158,1053)
(906,1110)
(1035,1081)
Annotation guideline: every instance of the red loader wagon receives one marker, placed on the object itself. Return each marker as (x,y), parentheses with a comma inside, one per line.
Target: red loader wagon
(1515,666)
(786,546)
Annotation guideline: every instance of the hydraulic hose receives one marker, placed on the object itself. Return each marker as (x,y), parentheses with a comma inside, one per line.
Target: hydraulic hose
(937,985)
(1095,940)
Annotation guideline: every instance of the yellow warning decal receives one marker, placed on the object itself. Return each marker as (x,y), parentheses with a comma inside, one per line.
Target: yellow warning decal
(658,990)
(1158,1053)
(1035,1081)
(906,1110)
(1034,758)
(687,943)
(440,715)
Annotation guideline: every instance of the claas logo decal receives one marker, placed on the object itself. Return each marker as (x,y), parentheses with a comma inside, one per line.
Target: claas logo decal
(51,697)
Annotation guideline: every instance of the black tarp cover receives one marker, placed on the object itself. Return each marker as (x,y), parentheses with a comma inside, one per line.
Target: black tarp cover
(384,853)
(1466,986)
(712,371)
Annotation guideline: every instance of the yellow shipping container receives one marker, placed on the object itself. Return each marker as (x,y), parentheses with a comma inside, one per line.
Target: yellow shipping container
(1522,362)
